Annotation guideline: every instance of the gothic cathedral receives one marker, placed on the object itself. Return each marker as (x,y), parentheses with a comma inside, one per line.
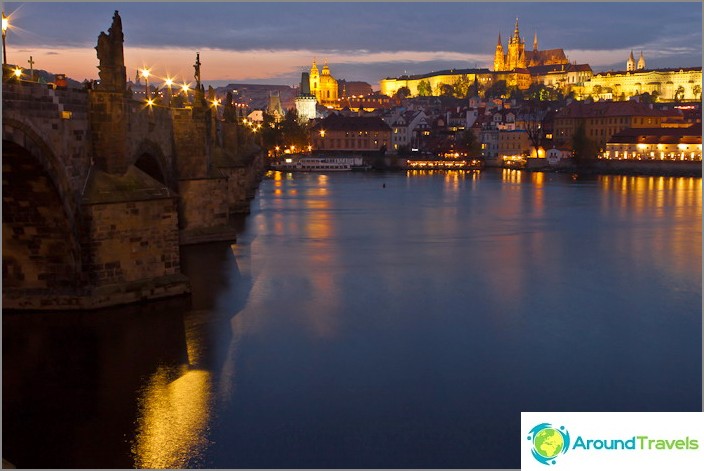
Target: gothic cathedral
(517,57)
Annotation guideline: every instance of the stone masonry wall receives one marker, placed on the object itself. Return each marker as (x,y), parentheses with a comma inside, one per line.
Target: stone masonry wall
(189,145)
(204,204)
(131,241)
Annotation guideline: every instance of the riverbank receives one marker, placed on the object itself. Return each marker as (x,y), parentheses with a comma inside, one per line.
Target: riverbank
(595,167)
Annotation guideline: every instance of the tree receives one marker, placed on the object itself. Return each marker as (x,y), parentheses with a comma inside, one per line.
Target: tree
(424,88)
(584,149)
(474,89)
(461,86)
(679,93)
(445,89)
(403,92)
(269,133)
(469,141)
(292,131)
(516,94)
(697,91)
(534,120)
(497,90)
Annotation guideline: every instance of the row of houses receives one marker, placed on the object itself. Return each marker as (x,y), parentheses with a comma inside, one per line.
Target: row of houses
(505,129)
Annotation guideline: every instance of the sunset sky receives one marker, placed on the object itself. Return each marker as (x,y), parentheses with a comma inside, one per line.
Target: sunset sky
(268,42)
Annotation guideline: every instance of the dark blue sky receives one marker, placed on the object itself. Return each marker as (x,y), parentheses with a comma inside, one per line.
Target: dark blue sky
(363,41)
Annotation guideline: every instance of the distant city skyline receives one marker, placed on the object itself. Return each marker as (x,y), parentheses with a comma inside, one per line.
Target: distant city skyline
(274,42)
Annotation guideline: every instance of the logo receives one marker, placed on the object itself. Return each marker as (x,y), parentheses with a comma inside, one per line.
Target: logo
(549,442)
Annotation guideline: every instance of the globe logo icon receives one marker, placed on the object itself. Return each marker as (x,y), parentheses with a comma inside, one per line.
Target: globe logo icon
(548,442)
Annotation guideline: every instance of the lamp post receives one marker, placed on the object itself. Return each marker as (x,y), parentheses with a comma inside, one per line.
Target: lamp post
(169,82)
(145,75)
(185,89)
(5,24)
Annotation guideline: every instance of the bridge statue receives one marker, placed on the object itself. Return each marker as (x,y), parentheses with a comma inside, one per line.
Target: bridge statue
(113,75)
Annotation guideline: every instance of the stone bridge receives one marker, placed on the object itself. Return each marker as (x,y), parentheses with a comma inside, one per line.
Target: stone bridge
(100,190)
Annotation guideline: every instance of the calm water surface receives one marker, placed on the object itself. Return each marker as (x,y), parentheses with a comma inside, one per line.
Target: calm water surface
(360,326)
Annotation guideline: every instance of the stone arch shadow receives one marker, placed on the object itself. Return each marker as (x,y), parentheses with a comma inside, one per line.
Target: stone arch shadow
(150,158)
(41,216)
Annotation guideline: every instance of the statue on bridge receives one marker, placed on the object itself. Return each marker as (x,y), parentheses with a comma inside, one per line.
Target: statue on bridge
(112,72)
(196,66)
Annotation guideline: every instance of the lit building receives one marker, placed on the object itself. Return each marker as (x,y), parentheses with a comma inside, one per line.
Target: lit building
(407,129)
(513,143)
(434,80)
(350,134)
(561,75)
(513,64)
(603,119)
(305,102)
(683,84)
(679,144)
(323,86)
(516,56)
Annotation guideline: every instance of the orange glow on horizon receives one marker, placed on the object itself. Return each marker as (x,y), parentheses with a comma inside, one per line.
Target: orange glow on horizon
(218,64)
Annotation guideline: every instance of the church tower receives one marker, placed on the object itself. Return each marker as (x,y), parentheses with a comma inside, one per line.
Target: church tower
(323,85)
(516,50)
(641,62)
(499,56)
(630,63)
(314,80)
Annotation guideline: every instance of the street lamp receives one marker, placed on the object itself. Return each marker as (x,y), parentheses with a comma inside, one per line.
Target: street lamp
(17,73)
(5,25)
(145,75)
(184,89)
(169,82)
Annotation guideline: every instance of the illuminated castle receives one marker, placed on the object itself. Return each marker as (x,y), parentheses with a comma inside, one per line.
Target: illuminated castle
(323,86)
(517,57)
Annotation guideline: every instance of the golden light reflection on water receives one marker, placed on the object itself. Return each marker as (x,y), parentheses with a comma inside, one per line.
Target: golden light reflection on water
(636,194)
(676,201)
(511,175)
(174,413)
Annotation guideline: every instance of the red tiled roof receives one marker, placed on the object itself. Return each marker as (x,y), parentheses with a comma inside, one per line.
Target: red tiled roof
(690,135)
(336,122)
(601,109)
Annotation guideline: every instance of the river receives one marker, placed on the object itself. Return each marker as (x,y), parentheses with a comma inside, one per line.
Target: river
(378,320)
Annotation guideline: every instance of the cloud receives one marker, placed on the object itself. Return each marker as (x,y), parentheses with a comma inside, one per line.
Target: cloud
(276,41)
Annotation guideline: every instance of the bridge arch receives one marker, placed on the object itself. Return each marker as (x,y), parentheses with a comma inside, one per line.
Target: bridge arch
(150,158)
(40,226)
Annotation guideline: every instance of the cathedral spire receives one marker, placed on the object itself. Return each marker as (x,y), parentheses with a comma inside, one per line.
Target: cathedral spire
(641,62)
(631,62)
(535,41)
(499,42)
(516,34)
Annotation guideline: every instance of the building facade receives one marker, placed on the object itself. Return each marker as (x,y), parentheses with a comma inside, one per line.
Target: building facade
(407,128)
(390,85)
(601,120)
(679,144)
(683,84)
(323,86)
(350,134)
(516,57)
